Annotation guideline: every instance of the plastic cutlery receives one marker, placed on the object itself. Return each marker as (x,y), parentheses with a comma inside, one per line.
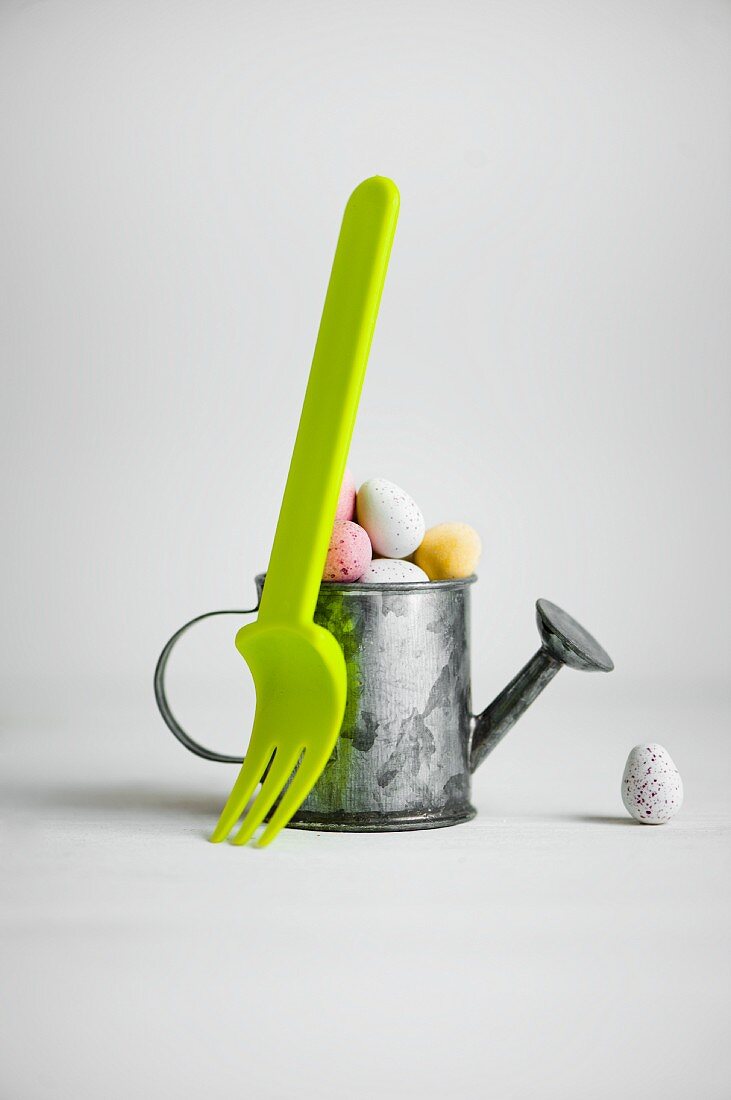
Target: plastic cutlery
(298,667)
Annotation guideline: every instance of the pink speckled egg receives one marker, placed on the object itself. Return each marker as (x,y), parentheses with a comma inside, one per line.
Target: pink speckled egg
(346,500)
(349,553)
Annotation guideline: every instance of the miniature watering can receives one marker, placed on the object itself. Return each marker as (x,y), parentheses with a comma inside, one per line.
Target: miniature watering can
(409,741)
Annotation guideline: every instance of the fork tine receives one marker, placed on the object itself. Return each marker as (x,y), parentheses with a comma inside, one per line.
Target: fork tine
(292,798)
(279,772)
(253,767)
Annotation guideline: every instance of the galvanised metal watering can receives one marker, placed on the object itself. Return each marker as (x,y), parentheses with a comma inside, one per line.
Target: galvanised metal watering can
(409,740)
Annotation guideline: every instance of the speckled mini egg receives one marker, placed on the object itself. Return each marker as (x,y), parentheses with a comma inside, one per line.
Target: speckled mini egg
(449,551)
(394,524)
(392,571)
(349,553)
(652,790)
(346,500)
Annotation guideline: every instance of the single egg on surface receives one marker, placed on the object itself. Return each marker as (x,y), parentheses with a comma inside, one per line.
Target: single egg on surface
(346,500)
(392,571)
(349,553)
(394,523)
(652,790)
(449,551)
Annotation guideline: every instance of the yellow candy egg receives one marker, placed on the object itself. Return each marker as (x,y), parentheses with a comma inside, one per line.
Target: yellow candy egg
(449,551)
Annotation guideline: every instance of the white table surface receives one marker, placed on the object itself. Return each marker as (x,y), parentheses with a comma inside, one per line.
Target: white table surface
(550,948)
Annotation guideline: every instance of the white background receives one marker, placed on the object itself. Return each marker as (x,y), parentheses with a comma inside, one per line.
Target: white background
(551,364)
(551,361)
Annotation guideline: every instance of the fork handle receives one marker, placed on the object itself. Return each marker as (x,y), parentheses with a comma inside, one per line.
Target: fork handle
(331,403)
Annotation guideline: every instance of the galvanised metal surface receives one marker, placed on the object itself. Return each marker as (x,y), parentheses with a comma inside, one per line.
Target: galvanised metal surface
(402,758)
(409,741)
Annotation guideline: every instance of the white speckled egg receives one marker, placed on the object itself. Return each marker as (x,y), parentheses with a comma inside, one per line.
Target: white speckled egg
(391,571)
(652,790)
(394,524)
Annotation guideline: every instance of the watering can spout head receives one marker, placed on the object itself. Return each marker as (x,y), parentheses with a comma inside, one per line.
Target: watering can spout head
(563,642)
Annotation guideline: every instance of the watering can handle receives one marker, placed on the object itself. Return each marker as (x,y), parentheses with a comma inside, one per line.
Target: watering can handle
(162,699)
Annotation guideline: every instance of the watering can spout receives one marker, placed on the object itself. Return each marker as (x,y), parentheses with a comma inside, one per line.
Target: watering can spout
(563,642)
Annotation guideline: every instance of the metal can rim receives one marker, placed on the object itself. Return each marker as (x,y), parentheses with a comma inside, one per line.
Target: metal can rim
(363,588)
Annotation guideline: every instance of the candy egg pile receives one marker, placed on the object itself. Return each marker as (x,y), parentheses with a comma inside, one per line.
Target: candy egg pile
(379,526)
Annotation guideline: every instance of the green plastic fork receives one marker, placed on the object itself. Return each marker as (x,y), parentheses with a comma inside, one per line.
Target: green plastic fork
(298,667)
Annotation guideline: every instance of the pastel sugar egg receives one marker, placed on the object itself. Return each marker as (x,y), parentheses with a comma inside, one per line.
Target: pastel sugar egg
(652,790)
(449,551)
(394,523)
(346,500)
(349,553)
(392,571)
